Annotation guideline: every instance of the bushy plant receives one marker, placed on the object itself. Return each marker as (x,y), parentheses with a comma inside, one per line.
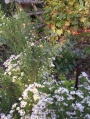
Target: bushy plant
(67,57)
(31,58)
(29,65)
(52,100)
(23,69)
(9,92)
(15,30)
(37,59)
(28,84)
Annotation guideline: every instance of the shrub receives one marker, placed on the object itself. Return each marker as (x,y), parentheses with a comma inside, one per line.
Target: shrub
(51,99)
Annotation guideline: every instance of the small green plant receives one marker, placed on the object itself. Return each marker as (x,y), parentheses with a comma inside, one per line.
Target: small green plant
(68,55)
(36,59)
(9,92)
(66,58)
(15,30)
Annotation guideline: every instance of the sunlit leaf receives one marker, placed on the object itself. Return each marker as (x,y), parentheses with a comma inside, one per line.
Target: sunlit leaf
(59,32)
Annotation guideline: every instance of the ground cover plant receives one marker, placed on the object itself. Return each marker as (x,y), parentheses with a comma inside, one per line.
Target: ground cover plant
(44,74)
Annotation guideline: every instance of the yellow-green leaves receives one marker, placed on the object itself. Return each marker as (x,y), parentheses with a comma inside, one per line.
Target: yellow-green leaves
(59,31)
(71,2)
(52,27)
(68,14)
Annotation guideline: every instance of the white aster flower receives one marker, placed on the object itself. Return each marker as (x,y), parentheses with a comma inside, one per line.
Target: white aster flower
(2,116)
(70,97)
(87,116)
(7,1)
(21,112)
(43,105)
(79,93)
(9,116)
(34,90)
(70,113)
(18,108)
(32,44)
(25,95)
(9,73)
(14,105)
(52,65)
(20,98)
(65,104)
(11,111)
(79,107)
(23,104)
(83,74)
(36,97)
(22,73)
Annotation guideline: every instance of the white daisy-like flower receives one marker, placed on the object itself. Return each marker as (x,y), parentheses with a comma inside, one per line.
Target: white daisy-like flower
(7,1)
(21,112)
(23,104)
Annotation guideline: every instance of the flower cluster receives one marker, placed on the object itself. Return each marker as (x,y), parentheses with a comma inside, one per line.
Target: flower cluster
(3,116)
(11,65)
(52,100)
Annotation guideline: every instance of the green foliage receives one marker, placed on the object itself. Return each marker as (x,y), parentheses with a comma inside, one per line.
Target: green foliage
(70,53)
(36,60)
(57,97)
(64,14)
(66,58)
(9,92)
(87,50)
(15,30)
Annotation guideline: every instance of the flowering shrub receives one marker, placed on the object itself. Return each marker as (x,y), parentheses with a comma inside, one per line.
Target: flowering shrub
(52,100)
(30,64)
(29,89)
(21,70)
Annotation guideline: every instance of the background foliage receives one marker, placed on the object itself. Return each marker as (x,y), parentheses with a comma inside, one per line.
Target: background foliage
(43,58)
(67,16)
